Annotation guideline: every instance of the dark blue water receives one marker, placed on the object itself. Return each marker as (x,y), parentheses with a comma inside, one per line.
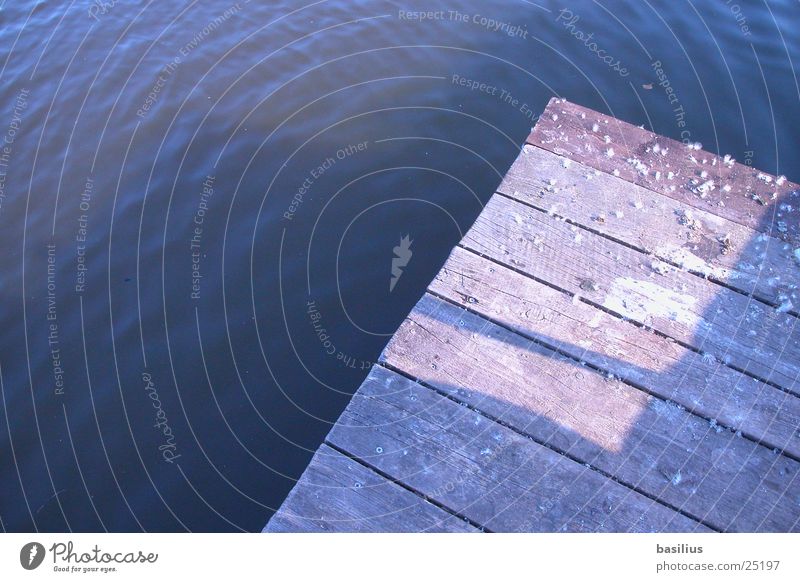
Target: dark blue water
(200,204)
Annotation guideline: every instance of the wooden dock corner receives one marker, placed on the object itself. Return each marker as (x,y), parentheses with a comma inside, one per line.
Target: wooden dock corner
(613,346)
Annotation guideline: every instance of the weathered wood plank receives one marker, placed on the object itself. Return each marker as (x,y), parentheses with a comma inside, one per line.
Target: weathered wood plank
(483,470)
(337,494)
(712,318)
(657,447)
(664,367)
(696,240)
(647,159)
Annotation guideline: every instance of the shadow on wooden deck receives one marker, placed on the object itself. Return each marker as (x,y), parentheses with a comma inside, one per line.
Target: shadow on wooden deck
(701,448)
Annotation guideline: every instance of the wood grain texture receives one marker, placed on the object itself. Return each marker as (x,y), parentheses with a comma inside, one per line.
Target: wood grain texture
(711,318)
(651,445)
(663,367)
(696,240)
(338,494)
(754,199)
(483,470)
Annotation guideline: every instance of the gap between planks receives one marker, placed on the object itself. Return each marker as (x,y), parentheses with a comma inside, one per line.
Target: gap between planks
(369,466)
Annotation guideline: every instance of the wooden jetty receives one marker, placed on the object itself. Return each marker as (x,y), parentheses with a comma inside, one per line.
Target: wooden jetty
(613,346)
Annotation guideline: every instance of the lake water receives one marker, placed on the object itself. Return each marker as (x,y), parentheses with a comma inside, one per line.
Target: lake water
(201,202)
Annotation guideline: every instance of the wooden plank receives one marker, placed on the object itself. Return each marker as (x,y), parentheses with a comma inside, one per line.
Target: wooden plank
(484,470)
(696,240)
(754,199)
(337,494)
(711,318)
(662,450)
(643,358)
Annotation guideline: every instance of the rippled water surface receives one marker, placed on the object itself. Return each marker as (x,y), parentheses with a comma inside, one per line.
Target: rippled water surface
(200,204)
